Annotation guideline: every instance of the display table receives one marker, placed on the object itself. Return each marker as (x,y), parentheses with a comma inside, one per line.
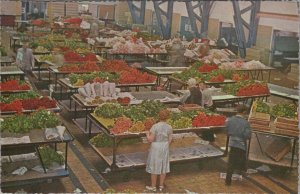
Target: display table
(6,61)
(284,92)
(260,141)
(223,98)
(71,89)
(39,63)
(256,73)
(184,85)
(37,139)
(136,154)
(12,41)
(135,57)
(164,97)
(11,71)
(8,92)
(164,71)
(54,70)
(56,109)
(101,50)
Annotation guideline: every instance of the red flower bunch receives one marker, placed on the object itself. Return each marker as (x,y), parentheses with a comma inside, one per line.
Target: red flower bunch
(253,89)
(13,85)
(217,78)
(75,57)
(38,22)
(35,103)
(203,120)
(239,77)
(114,65)
(72,57)
(98,80)
(73,20)
(122,124)
(87,67)
(135,76)
(68,33)
(125,100)
(208,68)
(90,57)
(15,105)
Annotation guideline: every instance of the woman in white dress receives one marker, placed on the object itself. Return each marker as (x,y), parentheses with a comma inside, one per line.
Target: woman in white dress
(158,162)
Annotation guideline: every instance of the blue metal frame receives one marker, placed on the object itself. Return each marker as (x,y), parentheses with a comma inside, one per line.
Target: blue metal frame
(24,6)
(164,28)
(137,13)
(240,23)
(204,8)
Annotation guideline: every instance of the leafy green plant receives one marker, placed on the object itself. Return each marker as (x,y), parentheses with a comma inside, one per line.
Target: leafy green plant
(284,110)
(24,123)
(262,107)
(87,77)
(12,97)
(109,110)
(49,156)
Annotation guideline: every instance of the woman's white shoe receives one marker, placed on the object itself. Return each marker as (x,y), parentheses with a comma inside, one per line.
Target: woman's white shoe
(150,188)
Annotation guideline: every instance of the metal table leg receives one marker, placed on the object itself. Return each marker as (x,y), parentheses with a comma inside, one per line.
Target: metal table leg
(226,149)
(60,92)
(114,165)
(75,110)
(293,152)
(49,76)
(258,141)
(55,83)
(90,126)
(66,157)
(248,150)
(40,158)
(86,114)
(39,72)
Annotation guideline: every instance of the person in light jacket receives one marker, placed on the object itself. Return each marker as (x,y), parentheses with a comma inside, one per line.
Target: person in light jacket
(25,59)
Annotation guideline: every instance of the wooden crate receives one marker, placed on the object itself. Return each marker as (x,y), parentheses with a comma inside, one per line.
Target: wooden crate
(287,132)
(289,124)
(286,120)
(260,116)
(260,127)
(259,122)
(278,149)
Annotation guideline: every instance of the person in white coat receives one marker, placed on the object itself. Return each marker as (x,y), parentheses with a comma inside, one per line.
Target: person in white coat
(25,59)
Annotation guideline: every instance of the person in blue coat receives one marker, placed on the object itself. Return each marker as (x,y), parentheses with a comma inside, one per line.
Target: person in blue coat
(239,131)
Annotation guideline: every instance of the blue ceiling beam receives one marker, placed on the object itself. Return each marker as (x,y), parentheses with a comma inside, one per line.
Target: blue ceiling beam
(137,13)
(203,16)
(165,27)
(251,26)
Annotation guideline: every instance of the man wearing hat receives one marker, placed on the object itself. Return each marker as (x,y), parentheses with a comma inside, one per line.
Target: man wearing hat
(25,59)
